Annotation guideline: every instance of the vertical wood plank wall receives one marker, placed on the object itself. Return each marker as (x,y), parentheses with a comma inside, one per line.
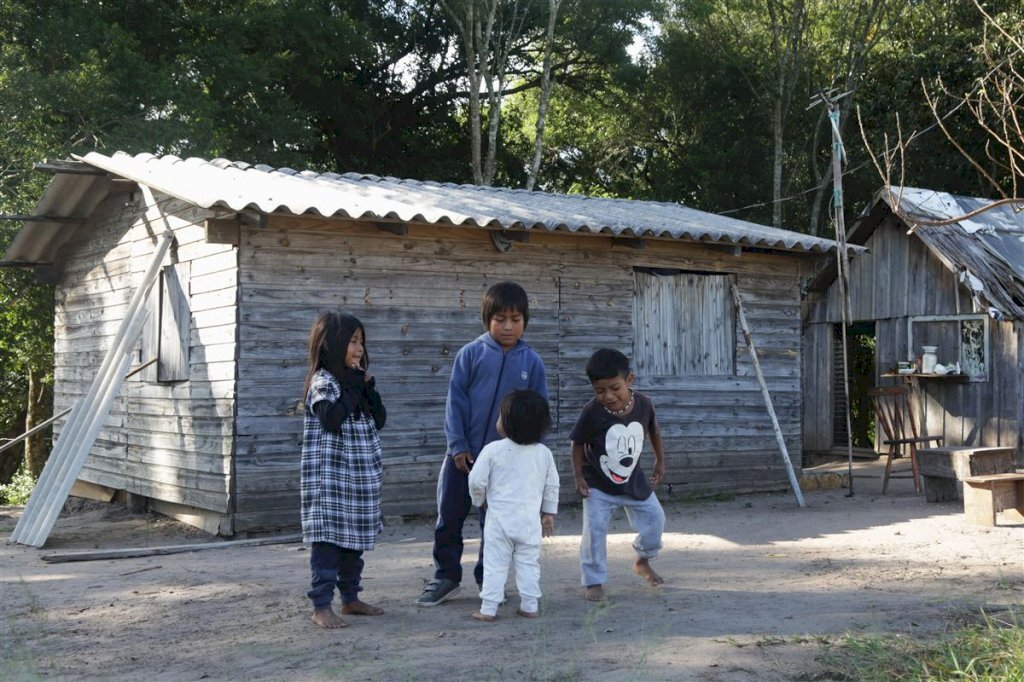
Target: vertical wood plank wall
(167,441)
(900,278)
(418,296)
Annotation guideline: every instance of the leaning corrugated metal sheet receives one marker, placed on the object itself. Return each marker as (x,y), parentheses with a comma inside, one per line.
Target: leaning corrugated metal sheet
(986,249)
(238,186)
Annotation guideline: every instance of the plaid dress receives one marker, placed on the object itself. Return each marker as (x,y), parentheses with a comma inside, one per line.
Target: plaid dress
(341,474)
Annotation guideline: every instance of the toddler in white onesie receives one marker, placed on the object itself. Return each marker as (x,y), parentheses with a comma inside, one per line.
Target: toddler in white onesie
(517,480)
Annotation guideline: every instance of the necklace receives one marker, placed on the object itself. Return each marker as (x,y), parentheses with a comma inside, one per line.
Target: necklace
(624,410)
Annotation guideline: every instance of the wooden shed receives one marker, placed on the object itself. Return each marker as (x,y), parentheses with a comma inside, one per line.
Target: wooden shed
(958,286)
(211,432)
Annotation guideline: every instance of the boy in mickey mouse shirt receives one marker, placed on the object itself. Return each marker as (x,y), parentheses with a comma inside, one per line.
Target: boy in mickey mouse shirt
(607,442)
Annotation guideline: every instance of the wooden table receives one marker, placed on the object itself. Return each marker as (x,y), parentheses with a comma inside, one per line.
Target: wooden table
(943,467)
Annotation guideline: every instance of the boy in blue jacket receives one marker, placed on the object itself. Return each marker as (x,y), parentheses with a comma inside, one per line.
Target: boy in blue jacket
(485,370)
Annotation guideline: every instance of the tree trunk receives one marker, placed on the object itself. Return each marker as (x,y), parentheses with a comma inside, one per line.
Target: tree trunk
(36,451)
(867,29)
(467,22)
(472,51)
(545,93)
(495,47)
(815,225)
(493,121)
(777,124)
(788,25)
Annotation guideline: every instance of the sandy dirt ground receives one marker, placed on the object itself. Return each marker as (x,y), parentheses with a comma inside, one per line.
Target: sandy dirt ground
(756,589)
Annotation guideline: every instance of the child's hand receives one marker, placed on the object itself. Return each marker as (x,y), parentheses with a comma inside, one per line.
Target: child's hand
(357,365)
(463,461)
(547,525)
(582,488)
(658,474)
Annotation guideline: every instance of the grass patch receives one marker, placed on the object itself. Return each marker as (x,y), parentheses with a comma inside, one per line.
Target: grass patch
(987,648)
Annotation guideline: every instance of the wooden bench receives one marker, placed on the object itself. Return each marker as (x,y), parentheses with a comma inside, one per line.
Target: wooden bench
(984,496)
(942,468)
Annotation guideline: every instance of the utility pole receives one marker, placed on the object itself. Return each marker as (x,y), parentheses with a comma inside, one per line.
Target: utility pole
(842,258)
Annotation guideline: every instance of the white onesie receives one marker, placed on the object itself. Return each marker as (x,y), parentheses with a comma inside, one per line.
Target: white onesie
(517,482)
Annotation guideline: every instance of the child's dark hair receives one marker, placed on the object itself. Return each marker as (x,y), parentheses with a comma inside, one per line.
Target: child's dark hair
(504,296)
(525,416)
(328,344)
(607,363)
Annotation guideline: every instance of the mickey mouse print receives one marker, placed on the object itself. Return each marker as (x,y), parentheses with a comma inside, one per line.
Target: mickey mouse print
(614,446)
(623,444)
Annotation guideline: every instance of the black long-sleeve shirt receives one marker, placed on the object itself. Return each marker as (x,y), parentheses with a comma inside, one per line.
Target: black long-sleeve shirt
(356,395)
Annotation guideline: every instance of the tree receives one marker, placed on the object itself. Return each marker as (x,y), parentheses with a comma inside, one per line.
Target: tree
(26,357)
(771,39)
(976,106)
(490,30)
(860,27)
(212,79)
(996,103)
(508,47)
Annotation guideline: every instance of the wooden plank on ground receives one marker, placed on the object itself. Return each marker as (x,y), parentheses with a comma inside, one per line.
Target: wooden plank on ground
(103,554)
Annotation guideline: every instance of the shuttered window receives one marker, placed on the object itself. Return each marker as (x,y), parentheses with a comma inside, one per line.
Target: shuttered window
(684,323)
(166,337)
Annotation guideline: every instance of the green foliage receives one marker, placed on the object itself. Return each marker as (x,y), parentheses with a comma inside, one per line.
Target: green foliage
(991,650)
(18,490)
(926,39)
(861,348)
(692,123)
(378,86)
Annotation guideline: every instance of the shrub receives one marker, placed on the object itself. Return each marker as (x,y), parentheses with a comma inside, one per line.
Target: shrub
(19,489)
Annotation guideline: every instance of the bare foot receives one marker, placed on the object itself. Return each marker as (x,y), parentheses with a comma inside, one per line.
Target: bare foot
(642,568)
(484,617)
(327,618)
(526,614)
(360,608)
(594,593)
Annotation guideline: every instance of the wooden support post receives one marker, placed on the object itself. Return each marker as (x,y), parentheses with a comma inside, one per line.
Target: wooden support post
(135,504)
(767,397)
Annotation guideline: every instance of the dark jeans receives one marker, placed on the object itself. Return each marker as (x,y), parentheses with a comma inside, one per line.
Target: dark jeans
(333,565)
(453,505)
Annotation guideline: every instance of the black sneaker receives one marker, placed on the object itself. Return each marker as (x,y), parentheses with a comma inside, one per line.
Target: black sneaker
(437,591)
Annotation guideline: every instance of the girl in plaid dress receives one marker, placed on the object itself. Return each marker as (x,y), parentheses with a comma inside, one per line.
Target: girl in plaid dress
(341,465)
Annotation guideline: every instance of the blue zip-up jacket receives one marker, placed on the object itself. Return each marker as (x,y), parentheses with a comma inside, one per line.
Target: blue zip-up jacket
(483,374)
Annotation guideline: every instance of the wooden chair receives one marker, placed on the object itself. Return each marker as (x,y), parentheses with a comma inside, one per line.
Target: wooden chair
(892,407)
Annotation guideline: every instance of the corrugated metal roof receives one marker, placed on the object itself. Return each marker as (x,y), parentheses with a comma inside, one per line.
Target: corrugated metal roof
(1000,228)
(67,196)
(239,186)
(986,249)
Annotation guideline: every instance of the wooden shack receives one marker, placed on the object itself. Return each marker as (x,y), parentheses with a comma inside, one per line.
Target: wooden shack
(211,432)
(958,286)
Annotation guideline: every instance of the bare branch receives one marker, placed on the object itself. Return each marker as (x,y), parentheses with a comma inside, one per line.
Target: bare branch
(933,105)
